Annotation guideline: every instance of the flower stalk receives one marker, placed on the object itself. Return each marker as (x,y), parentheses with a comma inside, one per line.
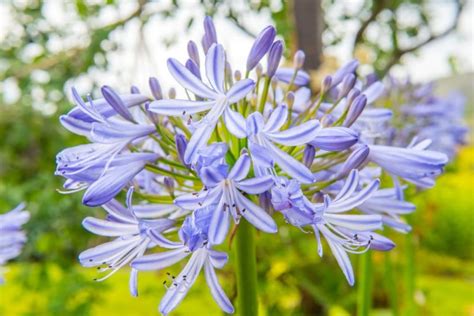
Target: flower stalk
(246,263)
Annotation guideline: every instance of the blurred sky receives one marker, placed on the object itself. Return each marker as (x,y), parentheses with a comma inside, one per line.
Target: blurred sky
(135,62)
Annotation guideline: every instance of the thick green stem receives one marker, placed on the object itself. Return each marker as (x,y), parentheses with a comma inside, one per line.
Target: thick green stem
(391,284)
(410,275)
(364,290)
(246,270)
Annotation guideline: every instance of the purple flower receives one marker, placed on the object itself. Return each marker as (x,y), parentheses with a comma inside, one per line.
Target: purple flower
(344,233)
(218,101)
(194,241)
(335,138)
(262,136)
(133,237)
(415,164)
(260,47)
(223,194)
(12,238)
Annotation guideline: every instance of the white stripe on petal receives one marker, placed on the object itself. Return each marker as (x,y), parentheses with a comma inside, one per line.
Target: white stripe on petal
(174,107)
(189,81)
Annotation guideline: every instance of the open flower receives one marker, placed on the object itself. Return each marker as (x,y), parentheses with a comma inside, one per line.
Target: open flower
(133,236)
(12,238)
(262,137)
(223,194)
(217,101)
(194,241)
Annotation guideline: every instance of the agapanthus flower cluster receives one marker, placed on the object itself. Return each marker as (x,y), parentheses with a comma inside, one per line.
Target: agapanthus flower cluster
(252,144)
(419,112)
(12,238)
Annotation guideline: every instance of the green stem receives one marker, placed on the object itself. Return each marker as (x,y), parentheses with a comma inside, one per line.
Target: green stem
(246,270)
(391,285)
(410,308)
(364,290)
(263,100)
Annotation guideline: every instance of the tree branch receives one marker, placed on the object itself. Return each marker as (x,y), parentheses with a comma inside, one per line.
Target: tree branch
(398,53)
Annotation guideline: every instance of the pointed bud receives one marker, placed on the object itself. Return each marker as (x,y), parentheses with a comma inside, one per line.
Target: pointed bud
(193,52)
(348,68)
(274,57)
(355,110)
(259,70)
(352,95)
(172,93)
(134,90)
(155,88)
(326,84)
(265,201)
(308,155)
(347,84)
(260,46)
(237,75)
(181,144)
(114,100)
(169,185)
(298,59)
(290,99)
(193,68)
(210,31)
(354,161)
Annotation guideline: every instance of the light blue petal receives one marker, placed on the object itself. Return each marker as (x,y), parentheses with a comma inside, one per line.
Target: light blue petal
(297,135)
(355,222)
(290,165)
(235,123)
(176,294)
(218,258)
(219,225)
(160,260)
(342,259)
(241,168)
(108,228)
(240,90)
(175,107)
(255,215)
(255,185)
(189,81)
(194,201)
(217,292)
(276,119)
(199,140)
(215,67)
(110,184)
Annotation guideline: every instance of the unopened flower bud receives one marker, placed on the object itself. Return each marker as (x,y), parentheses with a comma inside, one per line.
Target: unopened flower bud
(290,99)
(260,46)
(169,185)
(347,84)
(181,144)
(193,52)
(134,90)
(155,88)
(308,155)
(210,31)
(259,70)
(114,100)
(352,95)
(355,109)
(172,93)
(355,160)
(326,84)
(274,83)
(274,57)
(193,68)
(265,201)
(298,59)
(237,75)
